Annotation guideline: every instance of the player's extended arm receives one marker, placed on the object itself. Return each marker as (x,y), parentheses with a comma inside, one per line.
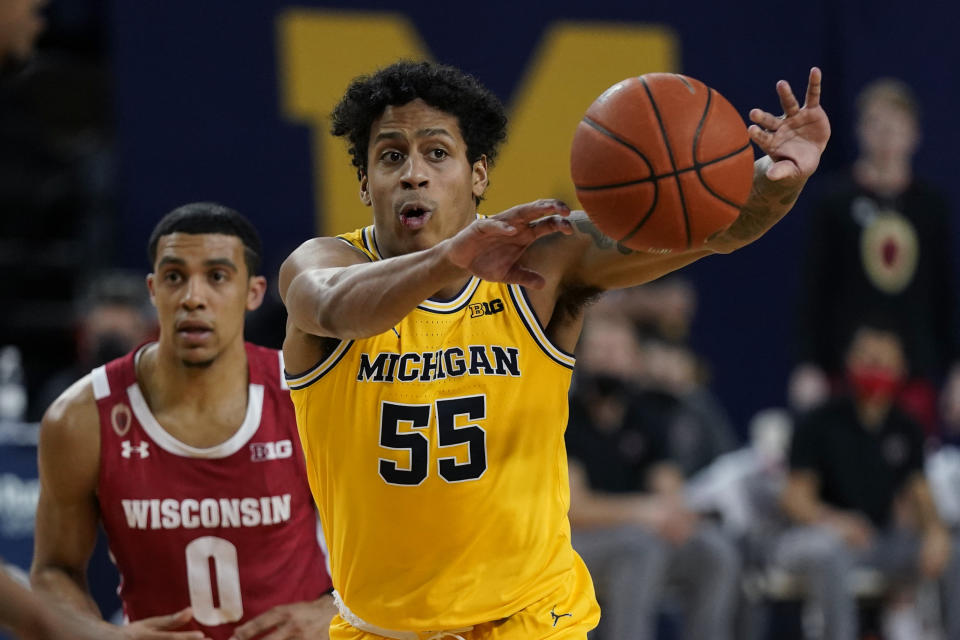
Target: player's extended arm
(67,515)
(793,144)
(31,617)
(295,620)
(329,289)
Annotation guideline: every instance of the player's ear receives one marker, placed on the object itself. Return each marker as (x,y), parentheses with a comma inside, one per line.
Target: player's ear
(153,294)
(480,179)
(256,290)
(364,192)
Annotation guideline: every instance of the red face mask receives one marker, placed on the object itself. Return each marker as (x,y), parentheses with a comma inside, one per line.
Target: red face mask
(872,383)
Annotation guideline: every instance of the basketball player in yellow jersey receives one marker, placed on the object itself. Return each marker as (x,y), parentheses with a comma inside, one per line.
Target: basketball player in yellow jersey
(429,360)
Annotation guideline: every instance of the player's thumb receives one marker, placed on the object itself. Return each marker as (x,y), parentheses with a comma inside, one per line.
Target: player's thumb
(780,170)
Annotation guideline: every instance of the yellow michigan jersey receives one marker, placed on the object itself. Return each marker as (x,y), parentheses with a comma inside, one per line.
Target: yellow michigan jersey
(437,461)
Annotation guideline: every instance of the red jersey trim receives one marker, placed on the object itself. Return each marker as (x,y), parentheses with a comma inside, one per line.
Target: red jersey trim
(251,423)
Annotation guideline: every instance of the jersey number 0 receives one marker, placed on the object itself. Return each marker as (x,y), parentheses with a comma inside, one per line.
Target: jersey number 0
(417,416)
(222,554)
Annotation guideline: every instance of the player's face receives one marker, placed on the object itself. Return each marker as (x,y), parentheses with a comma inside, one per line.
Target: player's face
(20,24)
(201,289)
(419,182)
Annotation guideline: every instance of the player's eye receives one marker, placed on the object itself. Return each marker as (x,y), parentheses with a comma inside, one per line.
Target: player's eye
(391,157)
(173,277)
(438,154)
(219,275)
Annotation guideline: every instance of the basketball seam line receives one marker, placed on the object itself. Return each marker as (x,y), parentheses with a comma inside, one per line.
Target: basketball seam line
(656,185)
(696,140)
(696,167)
(673,162)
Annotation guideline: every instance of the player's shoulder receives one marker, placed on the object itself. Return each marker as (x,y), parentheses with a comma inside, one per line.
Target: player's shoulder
(73,417)
(319,253)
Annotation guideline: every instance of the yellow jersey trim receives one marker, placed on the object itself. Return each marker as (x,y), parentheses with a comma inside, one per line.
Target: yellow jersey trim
(519,296)
(302,380)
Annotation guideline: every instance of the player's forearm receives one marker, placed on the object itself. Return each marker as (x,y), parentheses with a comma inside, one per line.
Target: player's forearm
(363,300)
(19,608)
(64,586)
(768,202)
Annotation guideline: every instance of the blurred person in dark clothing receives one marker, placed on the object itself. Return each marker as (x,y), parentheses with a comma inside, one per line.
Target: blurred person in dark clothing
(880,247)
(856,492)
(695,427)
(630,523)
(113,317)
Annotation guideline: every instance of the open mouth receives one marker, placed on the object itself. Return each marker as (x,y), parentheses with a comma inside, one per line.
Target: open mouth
(414,216)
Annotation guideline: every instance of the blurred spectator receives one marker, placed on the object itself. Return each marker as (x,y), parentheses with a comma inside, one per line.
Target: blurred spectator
(695,427)
(112,318)
(856,492)
(664,307)
(880,246)
(630,522)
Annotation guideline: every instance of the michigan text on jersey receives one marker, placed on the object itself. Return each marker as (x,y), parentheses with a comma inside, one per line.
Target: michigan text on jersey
(487,360)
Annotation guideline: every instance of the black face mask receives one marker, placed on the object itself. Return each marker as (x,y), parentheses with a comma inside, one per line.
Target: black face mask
(107,347)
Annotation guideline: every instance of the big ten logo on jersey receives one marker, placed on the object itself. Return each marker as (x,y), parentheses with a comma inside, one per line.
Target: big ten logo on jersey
(262,451)
(575,60)
(479,309)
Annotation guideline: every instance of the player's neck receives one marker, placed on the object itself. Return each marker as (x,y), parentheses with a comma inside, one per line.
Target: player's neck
(197,405)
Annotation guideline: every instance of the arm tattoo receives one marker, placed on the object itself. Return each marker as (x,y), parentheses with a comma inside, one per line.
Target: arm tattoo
(767,203)
(602,242)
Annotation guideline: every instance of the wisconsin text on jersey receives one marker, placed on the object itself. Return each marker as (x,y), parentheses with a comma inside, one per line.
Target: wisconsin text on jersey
(208,513)
(488,360)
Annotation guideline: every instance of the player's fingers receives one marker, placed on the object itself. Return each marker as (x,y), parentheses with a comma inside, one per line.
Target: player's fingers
(526,277)
(787,100)
(530,211)
(258,625)
(170,621)
(760,136)
(765,119)
(172,635)
(496,226)
(284,632)
(813,88)
(551,224)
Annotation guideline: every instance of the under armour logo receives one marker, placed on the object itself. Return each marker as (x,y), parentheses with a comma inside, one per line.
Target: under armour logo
(556,617)
(127,449)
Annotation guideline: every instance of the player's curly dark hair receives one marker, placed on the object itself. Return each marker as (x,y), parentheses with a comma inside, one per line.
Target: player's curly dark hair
(481,116)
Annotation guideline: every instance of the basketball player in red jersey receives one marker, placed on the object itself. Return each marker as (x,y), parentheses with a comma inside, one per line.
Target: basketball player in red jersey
(186,450)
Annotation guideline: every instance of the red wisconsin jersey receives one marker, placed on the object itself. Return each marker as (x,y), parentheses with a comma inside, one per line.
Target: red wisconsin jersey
(229,530)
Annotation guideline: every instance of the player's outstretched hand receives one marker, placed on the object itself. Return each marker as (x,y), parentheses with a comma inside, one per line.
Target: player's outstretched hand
(297,621)
(162,628)
(795,140)
(492,248)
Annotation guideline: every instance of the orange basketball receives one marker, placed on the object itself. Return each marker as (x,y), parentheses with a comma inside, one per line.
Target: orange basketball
(661,162)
